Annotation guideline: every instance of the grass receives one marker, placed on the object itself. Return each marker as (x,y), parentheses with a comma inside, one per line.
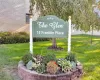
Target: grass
(88,54)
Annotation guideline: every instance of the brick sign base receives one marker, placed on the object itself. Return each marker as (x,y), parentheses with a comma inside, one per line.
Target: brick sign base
(25,74)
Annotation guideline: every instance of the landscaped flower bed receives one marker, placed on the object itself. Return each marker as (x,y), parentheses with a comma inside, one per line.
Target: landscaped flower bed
(49,68)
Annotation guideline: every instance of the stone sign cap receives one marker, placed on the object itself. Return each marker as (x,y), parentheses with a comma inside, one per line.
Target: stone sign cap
(50,27)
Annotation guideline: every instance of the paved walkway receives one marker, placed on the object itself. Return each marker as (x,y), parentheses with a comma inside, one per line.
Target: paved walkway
(10,74)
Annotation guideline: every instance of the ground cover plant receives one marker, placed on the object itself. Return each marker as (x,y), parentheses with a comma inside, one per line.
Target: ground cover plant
(88,54)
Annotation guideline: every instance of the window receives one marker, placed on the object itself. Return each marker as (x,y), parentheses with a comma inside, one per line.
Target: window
(27,18)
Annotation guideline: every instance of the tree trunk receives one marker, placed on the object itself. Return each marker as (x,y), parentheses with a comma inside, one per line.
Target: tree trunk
(54,44)
(92,36)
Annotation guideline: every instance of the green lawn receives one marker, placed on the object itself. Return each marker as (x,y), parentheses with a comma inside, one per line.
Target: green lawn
(87,54)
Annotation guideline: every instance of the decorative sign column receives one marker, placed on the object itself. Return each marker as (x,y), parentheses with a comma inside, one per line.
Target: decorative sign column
(48,27)
(69,35)
(31,36)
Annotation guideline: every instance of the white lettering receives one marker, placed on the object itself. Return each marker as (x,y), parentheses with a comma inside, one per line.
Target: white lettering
(42,25)
(59,33)
(50,32)
(53,25)
(42,32)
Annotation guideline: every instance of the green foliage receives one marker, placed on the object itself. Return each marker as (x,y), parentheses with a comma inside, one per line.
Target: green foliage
(64,64)
(23,33)
(59,8)
(20,37)
(9,38)
(40,39)
(49,57)
(85,18)
(71,57)
(26,58)
(41,68)
(87,54)
(5,34)
(81,11)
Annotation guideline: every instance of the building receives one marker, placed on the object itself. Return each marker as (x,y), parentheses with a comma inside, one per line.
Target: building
(13,14)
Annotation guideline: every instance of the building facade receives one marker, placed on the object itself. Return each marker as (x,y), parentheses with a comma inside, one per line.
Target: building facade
(13,14)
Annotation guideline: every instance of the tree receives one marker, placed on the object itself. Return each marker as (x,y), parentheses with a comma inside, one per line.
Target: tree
(98,5)
(88,20)
(80,10)
(51,7)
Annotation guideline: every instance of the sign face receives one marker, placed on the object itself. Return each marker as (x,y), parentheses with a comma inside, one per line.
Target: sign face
(50,27)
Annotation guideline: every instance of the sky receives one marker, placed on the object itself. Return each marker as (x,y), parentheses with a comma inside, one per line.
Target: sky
(96,9)
(97,0)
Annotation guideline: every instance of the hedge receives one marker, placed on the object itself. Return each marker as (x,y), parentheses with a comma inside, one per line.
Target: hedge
(20,37)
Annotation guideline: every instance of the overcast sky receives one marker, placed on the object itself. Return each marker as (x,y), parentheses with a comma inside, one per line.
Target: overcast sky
(97,0)
(96,9)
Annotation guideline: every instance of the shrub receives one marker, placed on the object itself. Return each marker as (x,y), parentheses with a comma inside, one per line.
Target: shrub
(64,64)
(49,57)
(23,33)
(41,39)
(5,34)
(41,68)
(20,37)
(26,58)
(9,38)
(71,57)
(52,67)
